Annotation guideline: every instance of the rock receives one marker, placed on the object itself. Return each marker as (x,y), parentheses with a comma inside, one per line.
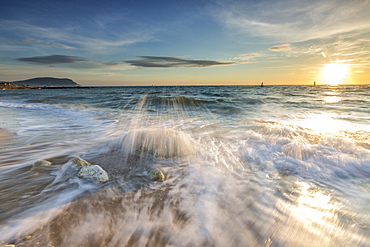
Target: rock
(94,172)
(40,164)
(80,162)
(156,175)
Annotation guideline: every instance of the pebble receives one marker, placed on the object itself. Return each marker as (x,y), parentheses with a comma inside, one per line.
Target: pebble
(156,175)
(80,162)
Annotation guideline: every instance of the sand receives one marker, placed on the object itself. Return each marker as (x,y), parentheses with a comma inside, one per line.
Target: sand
(5,136)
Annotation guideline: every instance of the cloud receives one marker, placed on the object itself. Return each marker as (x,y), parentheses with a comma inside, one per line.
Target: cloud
(52,59)
(246,56)
(351,48)
(283,47)
(110,63)
(75,37)
(174,62)
(70,62)
(250,55)
(294,21)
(33,42)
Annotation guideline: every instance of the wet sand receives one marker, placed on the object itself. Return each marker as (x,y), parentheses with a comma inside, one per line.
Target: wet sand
(113,213)
(5,137)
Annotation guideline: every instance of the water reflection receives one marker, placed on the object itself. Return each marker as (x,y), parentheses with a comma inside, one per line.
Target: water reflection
(316,210)
(332,96)
(323,122)
(315,216)
(331,99)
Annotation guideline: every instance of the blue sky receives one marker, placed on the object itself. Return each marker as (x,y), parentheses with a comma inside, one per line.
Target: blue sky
(184,42)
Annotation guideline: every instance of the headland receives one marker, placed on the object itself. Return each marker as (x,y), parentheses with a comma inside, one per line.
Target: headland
(41,83)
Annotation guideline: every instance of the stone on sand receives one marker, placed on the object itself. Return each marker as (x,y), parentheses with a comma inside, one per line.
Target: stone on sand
(156,175)
(94,172)
(40,164)
(80,162)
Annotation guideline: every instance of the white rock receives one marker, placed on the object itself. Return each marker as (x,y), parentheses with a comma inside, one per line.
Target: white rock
(94,172)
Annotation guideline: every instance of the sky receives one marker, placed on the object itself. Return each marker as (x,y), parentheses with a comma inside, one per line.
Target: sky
(179,42)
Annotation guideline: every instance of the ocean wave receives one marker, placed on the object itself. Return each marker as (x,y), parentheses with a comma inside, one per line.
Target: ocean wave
(178,100)
(257,166)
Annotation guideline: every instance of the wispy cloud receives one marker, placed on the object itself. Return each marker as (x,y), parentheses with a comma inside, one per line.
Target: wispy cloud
(174,62)
(34,42)
(353,47)
(52,59)
(283,47)
(70,37)
(251,55)
(294,21)
(246,56)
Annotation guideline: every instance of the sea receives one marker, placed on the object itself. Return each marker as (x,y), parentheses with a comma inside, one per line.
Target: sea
(243,166)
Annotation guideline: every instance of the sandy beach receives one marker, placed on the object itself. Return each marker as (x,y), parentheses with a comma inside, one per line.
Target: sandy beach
(5,136)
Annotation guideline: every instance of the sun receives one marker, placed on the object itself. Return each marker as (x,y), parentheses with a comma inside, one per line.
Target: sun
(335,73)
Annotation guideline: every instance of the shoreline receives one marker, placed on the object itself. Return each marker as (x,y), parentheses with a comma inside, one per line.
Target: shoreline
(34,87)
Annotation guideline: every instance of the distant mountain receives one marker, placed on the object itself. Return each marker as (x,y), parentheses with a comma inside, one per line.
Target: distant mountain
(47,82)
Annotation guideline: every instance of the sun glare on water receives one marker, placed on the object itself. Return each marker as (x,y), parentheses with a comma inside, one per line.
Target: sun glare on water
(335,73)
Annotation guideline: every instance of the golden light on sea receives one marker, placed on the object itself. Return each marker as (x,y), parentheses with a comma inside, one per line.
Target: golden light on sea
(316,210)
(335,73)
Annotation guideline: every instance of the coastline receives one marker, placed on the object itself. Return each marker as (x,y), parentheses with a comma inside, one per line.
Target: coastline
(34,87)
(41,83)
